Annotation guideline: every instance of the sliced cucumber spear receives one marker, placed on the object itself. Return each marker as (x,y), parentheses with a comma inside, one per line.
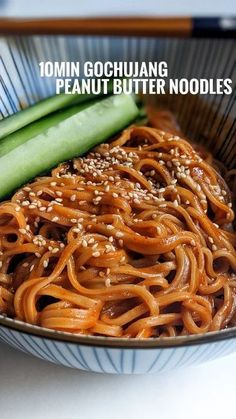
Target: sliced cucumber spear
(69,138)
(24,134)
(46,106)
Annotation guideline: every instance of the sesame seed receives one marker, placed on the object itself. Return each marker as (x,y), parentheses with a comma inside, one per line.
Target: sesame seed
(54,219)
(22,230)
(25,264)
(96,254)
(25,203)
(107,282)
(119,234)
(175,203)
(45,263)
(158,229)
(214,248)
(101,274)
(73,198)
(76,230)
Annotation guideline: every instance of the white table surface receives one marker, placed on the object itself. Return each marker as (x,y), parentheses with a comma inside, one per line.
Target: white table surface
(34,389)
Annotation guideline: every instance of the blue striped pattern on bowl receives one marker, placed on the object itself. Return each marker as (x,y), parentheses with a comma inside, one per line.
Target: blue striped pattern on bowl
(115,360)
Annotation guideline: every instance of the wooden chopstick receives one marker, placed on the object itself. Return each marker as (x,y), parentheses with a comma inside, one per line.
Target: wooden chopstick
(130,26)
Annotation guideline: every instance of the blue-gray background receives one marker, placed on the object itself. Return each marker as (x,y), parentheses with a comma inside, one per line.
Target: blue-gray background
(116,7)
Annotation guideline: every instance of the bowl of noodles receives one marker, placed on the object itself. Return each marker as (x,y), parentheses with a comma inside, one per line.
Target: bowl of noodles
(122,260)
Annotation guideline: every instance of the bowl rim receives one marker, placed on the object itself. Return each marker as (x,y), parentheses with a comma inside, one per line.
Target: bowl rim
(112,342)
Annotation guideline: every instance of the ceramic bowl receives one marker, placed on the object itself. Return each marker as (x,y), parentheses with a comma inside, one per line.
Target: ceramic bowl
(116,356)
(208,119)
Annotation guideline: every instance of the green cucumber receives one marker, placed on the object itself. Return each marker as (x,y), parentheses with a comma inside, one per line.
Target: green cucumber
(69,138)
(35,128)
(46,106)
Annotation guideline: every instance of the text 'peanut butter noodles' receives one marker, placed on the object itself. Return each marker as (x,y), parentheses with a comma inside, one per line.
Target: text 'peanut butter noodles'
(133,240)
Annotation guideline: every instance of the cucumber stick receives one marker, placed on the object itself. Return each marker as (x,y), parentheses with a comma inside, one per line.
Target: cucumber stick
(40,109)
(69,138)
(29,131)
(46,106)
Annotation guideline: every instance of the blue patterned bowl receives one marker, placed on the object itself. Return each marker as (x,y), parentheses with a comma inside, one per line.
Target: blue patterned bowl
(116,356)
(207,120)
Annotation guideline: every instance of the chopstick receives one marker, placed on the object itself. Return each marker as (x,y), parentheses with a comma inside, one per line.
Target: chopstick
(99,26)
(128,26)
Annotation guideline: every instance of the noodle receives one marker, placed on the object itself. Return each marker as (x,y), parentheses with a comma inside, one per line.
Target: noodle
(133,240)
